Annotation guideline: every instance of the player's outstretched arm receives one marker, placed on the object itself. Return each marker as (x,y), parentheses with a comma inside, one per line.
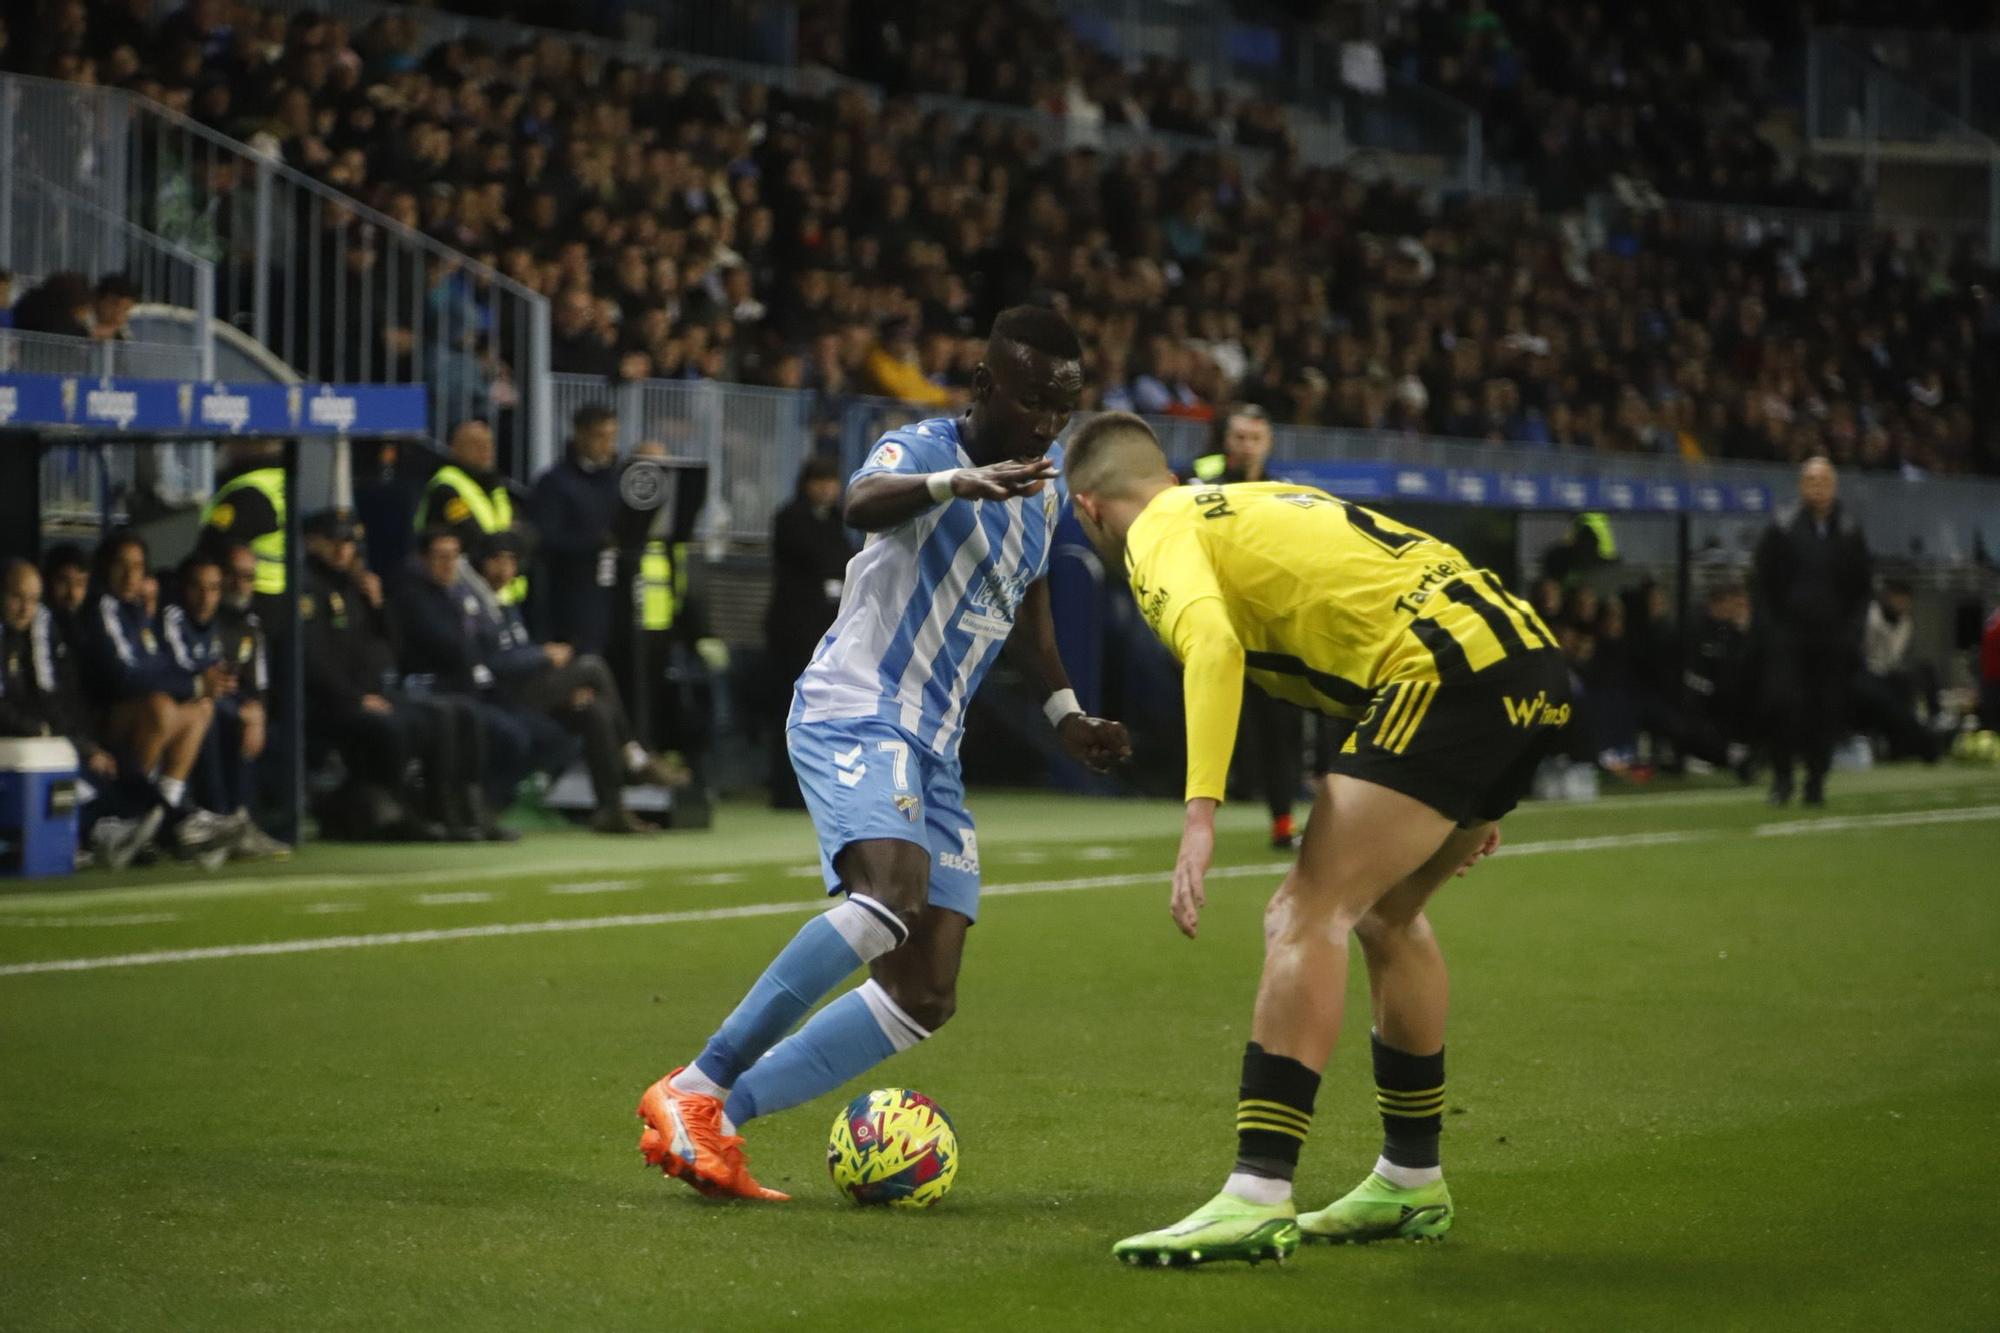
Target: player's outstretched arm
(1092,741)
(887,500)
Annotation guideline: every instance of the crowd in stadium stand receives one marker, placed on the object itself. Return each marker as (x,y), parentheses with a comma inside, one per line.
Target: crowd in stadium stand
(690,227)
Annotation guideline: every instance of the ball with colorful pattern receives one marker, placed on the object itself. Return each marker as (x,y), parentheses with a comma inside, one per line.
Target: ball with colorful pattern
(893,1146)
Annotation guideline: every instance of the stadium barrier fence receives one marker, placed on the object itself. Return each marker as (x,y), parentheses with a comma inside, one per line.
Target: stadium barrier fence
(339,291)
(1958,72)
(1857,106)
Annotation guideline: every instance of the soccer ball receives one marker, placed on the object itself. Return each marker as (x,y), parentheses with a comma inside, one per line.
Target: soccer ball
(893,1146)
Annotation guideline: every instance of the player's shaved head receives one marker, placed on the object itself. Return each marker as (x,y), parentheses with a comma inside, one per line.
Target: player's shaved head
(1115,456)
(1038,328)
(1027,387)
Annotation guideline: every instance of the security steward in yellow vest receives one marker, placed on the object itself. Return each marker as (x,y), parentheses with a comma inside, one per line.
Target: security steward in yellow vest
(664,613)
(1268,737)
(248,507)
(468,497)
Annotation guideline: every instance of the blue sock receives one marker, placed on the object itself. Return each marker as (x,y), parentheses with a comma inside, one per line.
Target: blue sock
(825,951)
(856,1032)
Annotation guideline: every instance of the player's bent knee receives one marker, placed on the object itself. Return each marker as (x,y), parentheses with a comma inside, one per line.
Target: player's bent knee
(1381,932)
(930,1007)
(894,874)
(1302,908)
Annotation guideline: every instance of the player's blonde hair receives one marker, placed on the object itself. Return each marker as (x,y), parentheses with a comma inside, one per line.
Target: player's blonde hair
(1114,455)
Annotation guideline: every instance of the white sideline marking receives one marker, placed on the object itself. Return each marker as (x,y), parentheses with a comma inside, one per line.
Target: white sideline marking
(447,899)
(640,919)
(331,942)
(1965,814)
(1103,853)
(802,872)
(328,909)
(1603,843)
(1159,876)
(128,919)
(187,890)
(596,886)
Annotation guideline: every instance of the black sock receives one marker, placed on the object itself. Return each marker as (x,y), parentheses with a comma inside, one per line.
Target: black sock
(1273,1113)
(1409,1091)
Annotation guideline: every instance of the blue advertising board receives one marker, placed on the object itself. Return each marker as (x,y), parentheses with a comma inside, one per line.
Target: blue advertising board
(183,407)
(1496,489)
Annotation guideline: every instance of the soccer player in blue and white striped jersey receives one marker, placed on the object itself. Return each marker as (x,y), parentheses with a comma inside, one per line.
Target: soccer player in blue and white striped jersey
(961,515)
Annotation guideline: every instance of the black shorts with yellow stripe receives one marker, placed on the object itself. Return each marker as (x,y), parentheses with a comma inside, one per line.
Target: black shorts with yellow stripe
(1467,745)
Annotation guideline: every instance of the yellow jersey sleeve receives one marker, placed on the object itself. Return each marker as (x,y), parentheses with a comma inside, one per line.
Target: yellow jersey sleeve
(1179,597)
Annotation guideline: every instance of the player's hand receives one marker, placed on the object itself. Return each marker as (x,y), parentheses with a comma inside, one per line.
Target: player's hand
(101,765)
(1002,481)
(559,654)
(218,680)
(375,703)
(1191,866)
(370,584)
(1487,846)
(1095,742)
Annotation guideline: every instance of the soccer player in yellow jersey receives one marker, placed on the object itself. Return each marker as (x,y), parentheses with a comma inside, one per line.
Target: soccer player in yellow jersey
(1451,688)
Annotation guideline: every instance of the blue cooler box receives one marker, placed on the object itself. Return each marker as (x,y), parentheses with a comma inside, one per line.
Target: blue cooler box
(38,800)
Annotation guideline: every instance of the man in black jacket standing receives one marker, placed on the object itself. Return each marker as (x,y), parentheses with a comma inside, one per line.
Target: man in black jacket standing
(573,505)
(1812,585)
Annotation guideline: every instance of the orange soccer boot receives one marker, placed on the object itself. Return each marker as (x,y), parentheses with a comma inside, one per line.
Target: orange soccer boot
(685,1139)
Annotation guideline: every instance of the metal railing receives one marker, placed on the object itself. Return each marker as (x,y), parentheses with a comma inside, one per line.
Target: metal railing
(100,358)
(1419,130)
(753,439)
(1413,131)
(46,228)
(1959,72)
(1858,106)
(340,291)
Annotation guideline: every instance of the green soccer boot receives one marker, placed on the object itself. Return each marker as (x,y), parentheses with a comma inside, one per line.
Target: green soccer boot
(1378,1210)
(1225,1227)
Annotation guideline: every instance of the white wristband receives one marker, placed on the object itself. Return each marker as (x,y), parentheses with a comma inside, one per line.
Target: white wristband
(1060,705)
(939,485)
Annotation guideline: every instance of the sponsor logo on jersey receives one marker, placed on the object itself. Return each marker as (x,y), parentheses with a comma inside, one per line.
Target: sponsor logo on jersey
(1534,712)
(990,604)
(909,806)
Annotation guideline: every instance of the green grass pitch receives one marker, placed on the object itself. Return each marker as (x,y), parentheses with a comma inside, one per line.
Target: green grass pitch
(1707,1071)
